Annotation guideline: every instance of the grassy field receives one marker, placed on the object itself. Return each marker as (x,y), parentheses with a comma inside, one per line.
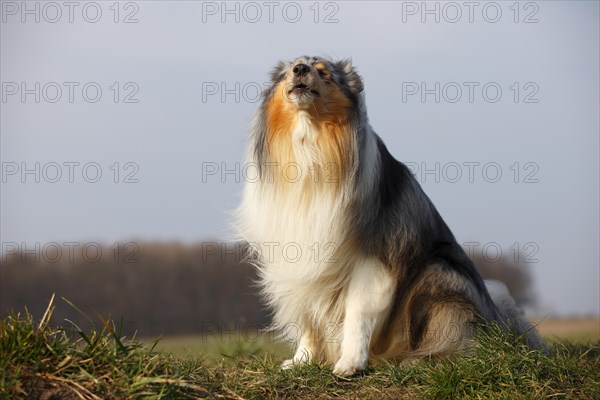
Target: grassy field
(574,329)
(41,361)
(214,348)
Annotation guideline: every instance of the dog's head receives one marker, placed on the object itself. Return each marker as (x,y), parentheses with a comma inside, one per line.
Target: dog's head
(310,114)
(315,83)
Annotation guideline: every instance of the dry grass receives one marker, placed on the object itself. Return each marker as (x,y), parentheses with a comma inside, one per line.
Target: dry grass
(42,361)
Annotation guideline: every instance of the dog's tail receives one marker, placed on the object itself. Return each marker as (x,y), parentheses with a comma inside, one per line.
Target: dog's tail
(512,315)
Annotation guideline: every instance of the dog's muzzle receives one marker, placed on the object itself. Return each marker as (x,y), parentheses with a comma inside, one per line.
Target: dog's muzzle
(302,83)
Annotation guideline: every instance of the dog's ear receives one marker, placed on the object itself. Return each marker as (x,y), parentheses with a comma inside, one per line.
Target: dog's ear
(280,71)
(353,80)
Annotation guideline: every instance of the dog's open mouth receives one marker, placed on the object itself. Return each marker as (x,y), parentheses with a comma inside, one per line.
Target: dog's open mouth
(302,88)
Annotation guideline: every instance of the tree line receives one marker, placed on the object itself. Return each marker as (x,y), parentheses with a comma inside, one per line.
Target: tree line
(161,288)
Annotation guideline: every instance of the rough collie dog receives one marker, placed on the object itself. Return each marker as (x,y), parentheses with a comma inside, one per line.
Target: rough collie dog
(354,259)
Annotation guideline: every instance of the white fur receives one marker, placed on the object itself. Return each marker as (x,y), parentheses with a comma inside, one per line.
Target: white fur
(302,287)
(370,296)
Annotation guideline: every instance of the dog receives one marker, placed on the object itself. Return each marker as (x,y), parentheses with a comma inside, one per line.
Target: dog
(354,260)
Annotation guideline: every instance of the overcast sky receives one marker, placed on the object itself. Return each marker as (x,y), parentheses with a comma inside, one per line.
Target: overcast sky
(498,102)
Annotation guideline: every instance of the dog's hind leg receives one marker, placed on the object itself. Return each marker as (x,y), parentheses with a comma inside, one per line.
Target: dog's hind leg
(440,327)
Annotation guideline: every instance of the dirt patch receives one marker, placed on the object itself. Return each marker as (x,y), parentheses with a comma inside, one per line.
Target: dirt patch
(40,388)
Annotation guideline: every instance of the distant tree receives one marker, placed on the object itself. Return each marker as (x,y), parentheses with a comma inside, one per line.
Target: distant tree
(158,288)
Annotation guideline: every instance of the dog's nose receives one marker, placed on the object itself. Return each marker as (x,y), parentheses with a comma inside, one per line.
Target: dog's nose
(301,70)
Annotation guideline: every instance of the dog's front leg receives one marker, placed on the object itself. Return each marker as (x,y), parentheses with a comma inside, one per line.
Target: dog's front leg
(304,352)
(367,305)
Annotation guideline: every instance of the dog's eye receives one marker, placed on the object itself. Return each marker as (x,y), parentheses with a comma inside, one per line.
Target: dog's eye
(322,70)
(324,74)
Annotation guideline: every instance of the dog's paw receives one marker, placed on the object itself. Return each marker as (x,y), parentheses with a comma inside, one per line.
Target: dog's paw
(347,367)
(288,364)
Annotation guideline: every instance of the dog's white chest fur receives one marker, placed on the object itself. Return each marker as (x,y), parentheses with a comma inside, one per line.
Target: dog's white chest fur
(304,130)
(296,224)
(310,275)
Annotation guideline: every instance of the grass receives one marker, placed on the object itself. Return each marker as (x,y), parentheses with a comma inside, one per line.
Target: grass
(41,361)
(214,349)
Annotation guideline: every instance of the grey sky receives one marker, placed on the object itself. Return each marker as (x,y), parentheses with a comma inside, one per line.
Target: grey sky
(178,52)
